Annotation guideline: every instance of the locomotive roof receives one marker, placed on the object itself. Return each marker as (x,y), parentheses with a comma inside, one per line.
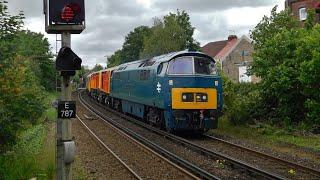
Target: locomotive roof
(154,61)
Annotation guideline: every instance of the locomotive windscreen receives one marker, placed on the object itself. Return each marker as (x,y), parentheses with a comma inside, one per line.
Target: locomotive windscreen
(204,66)
(189,65)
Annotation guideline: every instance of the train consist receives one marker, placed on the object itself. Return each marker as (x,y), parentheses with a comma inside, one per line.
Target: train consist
(175,91)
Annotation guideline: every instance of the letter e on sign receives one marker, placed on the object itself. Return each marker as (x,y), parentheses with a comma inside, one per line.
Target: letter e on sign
(66,109)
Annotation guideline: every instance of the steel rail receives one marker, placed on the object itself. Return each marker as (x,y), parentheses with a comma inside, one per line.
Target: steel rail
(106,147)
(145,147)
(176,159)
(292,164)
(203,150)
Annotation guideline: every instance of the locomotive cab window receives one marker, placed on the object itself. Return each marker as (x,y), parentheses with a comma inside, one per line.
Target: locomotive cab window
(204,66)
(162,68)
(191,65)
(181,65)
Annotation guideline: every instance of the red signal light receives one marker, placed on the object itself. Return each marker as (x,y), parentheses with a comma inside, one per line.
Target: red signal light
(67,13)
(75,7)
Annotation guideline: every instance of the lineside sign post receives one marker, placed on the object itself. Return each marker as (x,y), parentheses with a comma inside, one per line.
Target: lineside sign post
(66,109)
(65,17)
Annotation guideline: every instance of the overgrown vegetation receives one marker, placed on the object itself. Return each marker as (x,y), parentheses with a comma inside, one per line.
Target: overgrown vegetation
(34,153)
(26,72)
(171,33)
(287,60)
(32,156)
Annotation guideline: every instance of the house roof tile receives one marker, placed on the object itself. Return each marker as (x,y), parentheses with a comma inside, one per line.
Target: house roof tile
(213,48)
(230,44)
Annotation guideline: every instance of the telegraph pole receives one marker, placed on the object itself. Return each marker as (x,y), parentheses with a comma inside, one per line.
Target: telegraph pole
(65,18)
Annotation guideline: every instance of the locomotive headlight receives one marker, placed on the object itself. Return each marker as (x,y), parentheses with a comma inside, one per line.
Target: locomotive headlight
(184,97)
(202,97)
(187,97)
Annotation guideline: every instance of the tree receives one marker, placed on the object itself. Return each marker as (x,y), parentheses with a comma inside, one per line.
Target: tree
(165,38)
(21,96)
(9,26)
(131,47)
(287,60)
(183,20)
(21,99)
(309,55)
(80,76)
(268,27)
(36,48)
(273,61)
(14,41)
(97,67)
(133,44)
(115,59)
(173,33)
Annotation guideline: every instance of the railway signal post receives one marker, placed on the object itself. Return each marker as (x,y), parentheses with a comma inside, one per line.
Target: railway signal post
(65,17)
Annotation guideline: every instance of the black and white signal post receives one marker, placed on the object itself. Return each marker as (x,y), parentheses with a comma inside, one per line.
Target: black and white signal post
(65,17)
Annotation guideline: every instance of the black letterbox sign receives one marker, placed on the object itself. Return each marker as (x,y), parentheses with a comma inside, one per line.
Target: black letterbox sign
(66,109)
(67,60)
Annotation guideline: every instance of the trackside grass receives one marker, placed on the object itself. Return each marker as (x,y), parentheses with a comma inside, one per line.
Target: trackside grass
(267,135)
(34,154)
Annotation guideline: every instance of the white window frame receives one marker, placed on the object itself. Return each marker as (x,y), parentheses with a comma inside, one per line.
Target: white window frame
(303,14)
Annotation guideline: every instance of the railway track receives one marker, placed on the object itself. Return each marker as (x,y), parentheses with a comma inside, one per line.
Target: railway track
(289,164)
(128,135)
(187,165)
(235,163)
(99,141)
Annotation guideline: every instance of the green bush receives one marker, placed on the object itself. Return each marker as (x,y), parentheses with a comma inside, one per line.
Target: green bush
(20,162)
(21,103)
(26,70)
(287,59)
(239,101)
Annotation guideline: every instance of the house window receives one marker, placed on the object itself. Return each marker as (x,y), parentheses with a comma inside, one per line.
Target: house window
(245,53)
(243,74)
(302,14)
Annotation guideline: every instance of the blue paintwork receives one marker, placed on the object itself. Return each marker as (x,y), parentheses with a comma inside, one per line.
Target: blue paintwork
(138,92)
(136,109)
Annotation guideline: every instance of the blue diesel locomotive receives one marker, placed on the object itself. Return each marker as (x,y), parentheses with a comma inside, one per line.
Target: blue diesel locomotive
(175,91)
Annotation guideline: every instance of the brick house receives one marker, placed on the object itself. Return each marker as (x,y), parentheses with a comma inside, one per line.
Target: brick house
(234,56)
(299,8)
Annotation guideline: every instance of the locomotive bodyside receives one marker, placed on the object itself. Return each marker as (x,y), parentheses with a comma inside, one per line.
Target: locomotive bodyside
(163,92)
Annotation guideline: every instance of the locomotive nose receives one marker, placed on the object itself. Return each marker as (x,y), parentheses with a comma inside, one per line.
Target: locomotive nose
(194,98)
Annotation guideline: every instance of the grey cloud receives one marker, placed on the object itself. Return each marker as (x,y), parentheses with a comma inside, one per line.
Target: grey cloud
(109,21)
(208,5)
(124,8)
(211,27)
(30,8)
(106,34)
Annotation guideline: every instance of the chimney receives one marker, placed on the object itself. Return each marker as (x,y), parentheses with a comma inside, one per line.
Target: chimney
(232,37)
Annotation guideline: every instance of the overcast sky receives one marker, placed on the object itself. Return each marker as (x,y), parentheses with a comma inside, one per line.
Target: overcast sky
(109,21)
